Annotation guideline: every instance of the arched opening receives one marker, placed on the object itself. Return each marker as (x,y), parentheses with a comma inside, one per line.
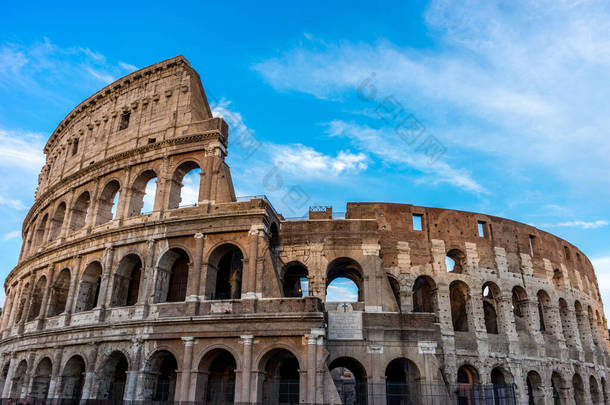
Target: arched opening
(395,286)
(350,380)
(594,390)
(338,276)
(218,367)
(160,377)
(501,381)
(490,294)
(107,203)
(42,379)
(184,189)
(557,278)
(296,283)
(564,315)
(143,194)
(113,377)
(22,302)
(127,281)
(543,310)
(59,293)
(172,276)
(424,295)
(455,261)
(468,381)
(557,387)
(535,395)
(402,382)
(80,212)
(274,237)
(280,379)
(578,388)
(40,231)
(225,270)
(458,295)
(519,303)
(18,381)
(36,303)
(73,379)
(4,375)
(580,322)
(57,221)
(89,290)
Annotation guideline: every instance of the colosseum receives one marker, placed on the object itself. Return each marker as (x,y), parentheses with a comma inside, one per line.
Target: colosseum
(224,301)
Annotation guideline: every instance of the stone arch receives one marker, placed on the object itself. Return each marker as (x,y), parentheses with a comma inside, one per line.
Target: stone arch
(402,382)
(18,380)
(73,378)
(144,185)
(112,377)
(127,281)
(395,287)
(455,261)
(544,313)
(216,378)
(535,394)
(59,293)
(36,304)
(604,390)
(89,289)
(21,315)
(42,379)
(279,380)
(57,221)
(41,230)
(564,315)
(160,377)
(172,276)
(594,391)
(350,378)
(501,380)
(558,386)
(80,211)
(225,271)
(295,280)
(490,294)
(424,295)
(520,310)
(578,388)
(346,268)
(4,375)
(458,295)
(107,203)
(468,380)
(177,189)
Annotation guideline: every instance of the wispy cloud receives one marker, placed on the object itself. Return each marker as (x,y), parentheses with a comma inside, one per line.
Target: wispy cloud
(577,224)
(342,290)
(10,236)
(21,149)
(12,203)
(127,66)
(304,161)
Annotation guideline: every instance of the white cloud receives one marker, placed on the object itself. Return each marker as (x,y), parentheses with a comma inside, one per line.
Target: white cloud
(127,66)
(577,224)
(101,76)
(529,79)
(304,161)
(12,203)
(342,290)
(10,236)
(21,149)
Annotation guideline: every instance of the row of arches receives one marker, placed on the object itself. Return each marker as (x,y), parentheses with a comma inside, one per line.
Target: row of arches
(140,199)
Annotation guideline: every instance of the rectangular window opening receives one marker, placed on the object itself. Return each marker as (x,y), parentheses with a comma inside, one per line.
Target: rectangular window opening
(124,123)
(75,147)
(531,239)
(481,229)
(417,222)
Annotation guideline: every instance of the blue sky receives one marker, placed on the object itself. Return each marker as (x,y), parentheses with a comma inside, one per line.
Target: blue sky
(514,96)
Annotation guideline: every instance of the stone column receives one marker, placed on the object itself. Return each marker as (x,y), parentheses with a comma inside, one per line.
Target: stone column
(102,300)
(65,226)
(194,278)
(187,367)
(55,383)
(250,271)
(146,294)
(131,386)
(72,291)
(312,341)
(8,383)
(246,371)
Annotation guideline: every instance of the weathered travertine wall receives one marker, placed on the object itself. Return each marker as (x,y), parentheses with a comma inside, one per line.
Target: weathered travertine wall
(205,302)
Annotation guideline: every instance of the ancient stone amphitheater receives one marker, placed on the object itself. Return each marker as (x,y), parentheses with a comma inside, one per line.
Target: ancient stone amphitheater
(224,301)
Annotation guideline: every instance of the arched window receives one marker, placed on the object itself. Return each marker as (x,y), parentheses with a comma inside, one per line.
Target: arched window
(172,276)
(349,377)
(455,261)
(535,395)
(73,379)
(395,286)
(18,388)
(489,296)
(59,293)
(160,377)
(579,389)
(127,281)
(468,380)
(501,381)
(57,221)
(107,203)
(557,386)
(219,367)
(296,283)
(424,295)
(40,232)
(42,379)
(225,268)
(519,303)
(280,377)
(402,382)
(113,377)
(543,311)
(458,295)
(594,390)
(143,194)
(21,308)
(184,189)
(89,290)
(344,281)
(36,304)
(80,211)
